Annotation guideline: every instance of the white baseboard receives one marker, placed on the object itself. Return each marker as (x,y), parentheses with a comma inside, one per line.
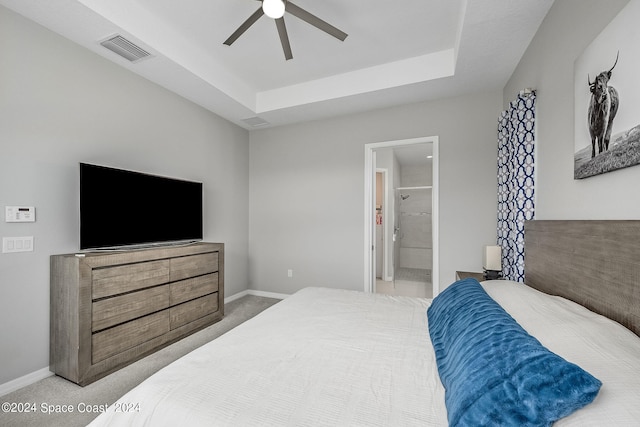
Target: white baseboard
(25,380)
(256,293)
(43,373)
(234,297)
(267,294)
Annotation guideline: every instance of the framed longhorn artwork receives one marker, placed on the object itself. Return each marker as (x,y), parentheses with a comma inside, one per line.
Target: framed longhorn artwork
(607,98)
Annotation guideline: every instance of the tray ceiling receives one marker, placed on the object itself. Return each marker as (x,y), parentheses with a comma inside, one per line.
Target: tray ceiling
(420,50)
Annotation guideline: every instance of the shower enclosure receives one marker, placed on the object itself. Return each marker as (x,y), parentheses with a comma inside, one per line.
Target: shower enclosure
(414,242)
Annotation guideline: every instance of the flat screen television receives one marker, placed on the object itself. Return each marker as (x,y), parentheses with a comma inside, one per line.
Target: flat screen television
(121,208)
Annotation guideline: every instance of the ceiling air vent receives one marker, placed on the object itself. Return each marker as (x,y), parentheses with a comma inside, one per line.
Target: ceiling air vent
(255,122)
(125,48)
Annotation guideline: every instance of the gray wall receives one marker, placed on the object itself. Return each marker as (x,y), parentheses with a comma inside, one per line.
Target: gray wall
(307,191)
(61,104)
(568,29)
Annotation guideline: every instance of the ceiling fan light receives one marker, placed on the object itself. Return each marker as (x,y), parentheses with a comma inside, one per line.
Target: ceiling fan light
(273,8)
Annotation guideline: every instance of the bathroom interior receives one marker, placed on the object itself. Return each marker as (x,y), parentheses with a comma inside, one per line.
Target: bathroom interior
(404,240)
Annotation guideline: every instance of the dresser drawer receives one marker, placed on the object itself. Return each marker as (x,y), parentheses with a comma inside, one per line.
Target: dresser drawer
(112,311)
(130,277)
(193,265)
(123,337)
(192,310)
(189,289)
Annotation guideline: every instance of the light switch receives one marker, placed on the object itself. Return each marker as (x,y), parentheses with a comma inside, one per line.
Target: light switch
(17,244)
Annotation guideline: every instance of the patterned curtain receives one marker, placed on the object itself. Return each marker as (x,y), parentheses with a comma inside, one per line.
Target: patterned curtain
(516,161)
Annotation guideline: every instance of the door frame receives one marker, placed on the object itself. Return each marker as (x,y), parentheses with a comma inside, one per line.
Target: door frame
(369,208)
(386,225)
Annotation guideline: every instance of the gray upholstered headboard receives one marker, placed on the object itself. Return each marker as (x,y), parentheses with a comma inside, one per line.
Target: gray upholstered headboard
(594,263)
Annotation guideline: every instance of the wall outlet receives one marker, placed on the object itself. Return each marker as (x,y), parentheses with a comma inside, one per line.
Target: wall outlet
(17,244)
(289,273)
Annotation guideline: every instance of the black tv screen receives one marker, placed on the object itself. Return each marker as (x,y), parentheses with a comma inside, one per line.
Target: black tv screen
(124,208)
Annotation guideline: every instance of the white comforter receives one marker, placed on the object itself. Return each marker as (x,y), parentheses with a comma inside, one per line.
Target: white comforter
(318,358)
(326,357)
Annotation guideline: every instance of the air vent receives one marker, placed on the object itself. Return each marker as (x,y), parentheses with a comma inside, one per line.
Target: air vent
(125,48)
(255,121)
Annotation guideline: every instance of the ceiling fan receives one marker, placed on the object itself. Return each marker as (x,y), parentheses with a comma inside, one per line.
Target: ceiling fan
(275,9)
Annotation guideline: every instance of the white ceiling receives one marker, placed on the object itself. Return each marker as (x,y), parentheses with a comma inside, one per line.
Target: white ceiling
(414,155)
(419,50)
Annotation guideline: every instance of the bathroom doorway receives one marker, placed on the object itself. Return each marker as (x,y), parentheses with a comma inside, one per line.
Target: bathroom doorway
(403,224)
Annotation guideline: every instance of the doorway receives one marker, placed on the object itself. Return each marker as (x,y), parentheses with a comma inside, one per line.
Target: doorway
(402,226)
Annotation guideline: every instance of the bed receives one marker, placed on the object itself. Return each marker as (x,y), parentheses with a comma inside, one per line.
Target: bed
(327,357)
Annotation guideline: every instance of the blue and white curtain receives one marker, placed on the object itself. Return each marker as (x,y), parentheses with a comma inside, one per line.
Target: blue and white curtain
(516,164)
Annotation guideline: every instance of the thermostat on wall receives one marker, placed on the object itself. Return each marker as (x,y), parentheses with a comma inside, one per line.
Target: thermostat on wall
(20,213)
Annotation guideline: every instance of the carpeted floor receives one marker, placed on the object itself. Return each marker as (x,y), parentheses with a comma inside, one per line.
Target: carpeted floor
(46,399)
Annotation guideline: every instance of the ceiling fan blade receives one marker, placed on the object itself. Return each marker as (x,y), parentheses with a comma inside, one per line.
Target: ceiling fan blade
(244,27)
(315,21)
(284,38)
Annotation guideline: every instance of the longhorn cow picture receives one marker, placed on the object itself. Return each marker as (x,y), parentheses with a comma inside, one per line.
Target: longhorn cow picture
(602,110)
(607,98)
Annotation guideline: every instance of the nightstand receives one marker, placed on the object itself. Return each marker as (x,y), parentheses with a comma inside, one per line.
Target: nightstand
(466,274)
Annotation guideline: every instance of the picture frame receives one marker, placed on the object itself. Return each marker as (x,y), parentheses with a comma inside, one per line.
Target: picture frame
(607,98)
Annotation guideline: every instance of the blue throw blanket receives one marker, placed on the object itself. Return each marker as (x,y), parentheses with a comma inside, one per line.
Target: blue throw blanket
(493,371)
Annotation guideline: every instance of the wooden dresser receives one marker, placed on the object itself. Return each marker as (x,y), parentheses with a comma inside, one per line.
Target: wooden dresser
(109,309)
